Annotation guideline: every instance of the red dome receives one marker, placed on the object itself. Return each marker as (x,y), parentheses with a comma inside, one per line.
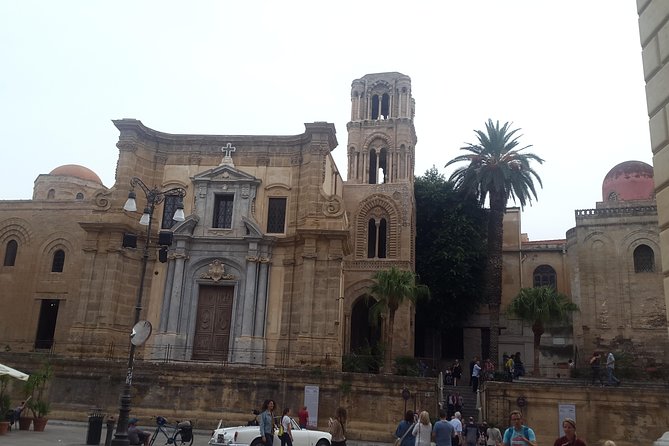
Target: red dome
(631,180)
(77,171)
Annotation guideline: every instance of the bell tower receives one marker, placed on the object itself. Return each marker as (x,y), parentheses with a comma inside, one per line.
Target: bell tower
(379,200)
(381,134)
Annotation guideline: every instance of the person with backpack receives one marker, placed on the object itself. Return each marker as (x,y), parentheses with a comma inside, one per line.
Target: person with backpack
(518,434)
(471,432)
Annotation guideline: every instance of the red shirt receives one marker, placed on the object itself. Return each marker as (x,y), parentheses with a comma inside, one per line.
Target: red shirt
(303,415)
(562,441)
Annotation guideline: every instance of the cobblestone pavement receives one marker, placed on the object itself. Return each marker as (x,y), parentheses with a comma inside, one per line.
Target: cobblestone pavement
(71,433)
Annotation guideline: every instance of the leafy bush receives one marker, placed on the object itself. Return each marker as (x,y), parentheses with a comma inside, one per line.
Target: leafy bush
(406,366)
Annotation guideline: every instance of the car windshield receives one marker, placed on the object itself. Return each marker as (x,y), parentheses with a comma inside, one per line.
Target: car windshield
(294,424)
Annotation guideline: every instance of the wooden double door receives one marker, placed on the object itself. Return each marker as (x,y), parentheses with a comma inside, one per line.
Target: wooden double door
(212,327)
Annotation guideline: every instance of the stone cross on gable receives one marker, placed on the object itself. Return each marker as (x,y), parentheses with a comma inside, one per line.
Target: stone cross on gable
(227,155)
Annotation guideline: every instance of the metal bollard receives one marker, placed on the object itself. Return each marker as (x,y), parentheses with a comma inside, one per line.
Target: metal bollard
(110,430)
(94,433)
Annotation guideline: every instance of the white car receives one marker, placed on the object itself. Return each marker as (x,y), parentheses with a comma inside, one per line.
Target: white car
(250,436)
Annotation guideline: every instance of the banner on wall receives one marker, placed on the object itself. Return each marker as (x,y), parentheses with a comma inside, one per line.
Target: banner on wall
(311,401)
(565,411)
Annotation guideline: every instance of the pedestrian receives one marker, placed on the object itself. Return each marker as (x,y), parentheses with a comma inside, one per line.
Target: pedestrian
(569,437)
(266,422)
(403,431)
(337,427)
(518,366)
(459,402)
(456,422)
(489,369)
(610,365)
(286,428)
(493,436)
(456,370)
(470,432)
(471,367)
(451,401)
(136,435)
(303,416)
(595,368)
(509,367)
(443,432)
(422,431)
(476,372)
(518,434)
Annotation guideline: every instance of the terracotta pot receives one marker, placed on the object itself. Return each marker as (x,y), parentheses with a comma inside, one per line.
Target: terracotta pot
(24,423)
(4,427)
(39,424)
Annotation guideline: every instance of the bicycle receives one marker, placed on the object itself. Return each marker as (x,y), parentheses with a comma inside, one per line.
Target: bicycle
(180,434)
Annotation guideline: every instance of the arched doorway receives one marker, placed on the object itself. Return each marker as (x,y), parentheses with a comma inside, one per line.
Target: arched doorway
(365,354)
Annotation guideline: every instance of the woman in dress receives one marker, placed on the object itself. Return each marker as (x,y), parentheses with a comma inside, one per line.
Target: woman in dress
(569,438)
(404,428)
(423,430)
(337,427)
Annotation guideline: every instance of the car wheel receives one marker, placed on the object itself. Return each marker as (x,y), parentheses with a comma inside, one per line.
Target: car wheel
(323,442)
(257,442)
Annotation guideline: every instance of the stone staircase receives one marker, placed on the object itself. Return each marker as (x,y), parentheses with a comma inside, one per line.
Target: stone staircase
(469,400)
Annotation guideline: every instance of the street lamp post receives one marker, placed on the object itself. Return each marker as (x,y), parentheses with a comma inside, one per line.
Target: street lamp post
(154,197)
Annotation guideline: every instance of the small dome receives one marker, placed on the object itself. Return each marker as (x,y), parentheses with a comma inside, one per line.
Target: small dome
(77,171)
(628,181)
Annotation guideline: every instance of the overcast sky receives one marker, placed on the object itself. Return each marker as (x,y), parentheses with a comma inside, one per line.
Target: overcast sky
(568,73)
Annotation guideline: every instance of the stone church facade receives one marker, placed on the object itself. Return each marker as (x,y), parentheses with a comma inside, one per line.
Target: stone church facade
(609,264)
(270,267)
(274,259)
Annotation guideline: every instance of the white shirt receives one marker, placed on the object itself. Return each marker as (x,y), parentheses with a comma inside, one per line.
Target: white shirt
(457,424)
(423,434)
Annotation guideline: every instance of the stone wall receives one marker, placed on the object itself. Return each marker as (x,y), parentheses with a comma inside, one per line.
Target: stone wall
(630,416)
(206,393)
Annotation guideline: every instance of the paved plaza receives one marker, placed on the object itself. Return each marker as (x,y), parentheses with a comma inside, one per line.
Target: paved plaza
(70,433)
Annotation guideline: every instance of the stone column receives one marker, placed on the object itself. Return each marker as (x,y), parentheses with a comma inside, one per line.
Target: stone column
(176,296)
(248,317)
(261,309)
(167,293)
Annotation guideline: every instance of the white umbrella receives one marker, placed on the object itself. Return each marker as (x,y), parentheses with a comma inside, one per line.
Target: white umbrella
(4,370)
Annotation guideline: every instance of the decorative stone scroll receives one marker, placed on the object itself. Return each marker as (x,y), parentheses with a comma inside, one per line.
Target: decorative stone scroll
(216,272)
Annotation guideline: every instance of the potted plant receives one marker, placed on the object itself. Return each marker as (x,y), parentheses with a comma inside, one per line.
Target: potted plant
(35,389)
(5,404)
(41,409)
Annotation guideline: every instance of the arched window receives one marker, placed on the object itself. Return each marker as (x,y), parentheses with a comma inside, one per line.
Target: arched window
(11,249)
(377,238)
(378,166)
(644,259)
(58,261)
(51,194)
(375,106)
(385,106)
(544,275)
(80,196)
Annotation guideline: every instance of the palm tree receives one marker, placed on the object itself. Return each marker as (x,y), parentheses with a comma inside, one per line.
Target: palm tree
(497,169)
(392,288)
(541,306)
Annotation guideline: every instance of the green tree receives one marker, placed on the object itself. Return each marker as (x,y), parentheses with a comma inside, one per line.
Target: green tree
(497,169)
(541,306)
(450,253)
(392,288)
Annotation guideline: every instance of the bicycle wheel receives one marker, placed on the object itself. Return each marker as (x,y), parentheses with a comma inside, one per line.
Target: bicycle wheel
(182,438)
(153,437)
